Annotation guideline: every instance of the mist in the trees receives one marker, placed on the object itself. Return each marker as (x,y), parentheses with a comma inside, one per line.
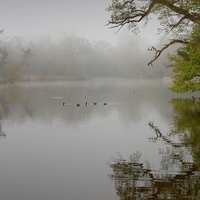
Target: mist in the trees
(75,57)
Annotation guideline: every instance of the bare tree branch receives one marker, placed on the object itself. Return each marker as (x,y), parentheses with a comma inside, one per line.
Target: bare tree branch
(177,16)
(135,16)
(158,52)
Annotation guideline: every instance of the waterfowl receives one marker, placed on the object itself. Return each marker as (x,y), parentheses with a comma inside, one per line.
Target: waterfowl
(95,103)
(77,105)
(86,104)
(64,104)
(104,104)
(85,96)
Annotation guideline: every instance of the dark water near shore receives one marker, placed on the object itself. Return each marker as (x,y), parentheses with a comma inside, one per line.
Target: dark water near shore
(144,144)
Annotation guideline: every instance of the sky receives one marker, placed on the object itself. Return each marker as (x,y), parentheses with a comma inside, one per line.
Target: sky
(86,18)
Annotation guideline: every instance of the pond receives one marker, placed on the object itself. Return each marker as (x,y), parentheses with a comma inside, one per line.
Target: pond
(143,143)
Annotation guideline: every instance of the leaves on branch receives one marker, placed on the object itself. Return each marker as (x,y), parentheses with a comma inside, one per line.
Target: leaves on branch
(176,16)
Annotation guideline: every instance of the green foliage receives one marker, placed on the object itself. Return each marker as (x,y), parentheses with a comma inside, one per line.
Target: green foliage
(187,64)
(176,17)
(3,59)
(27,54)
(188,120)
(14,71)
(3,56)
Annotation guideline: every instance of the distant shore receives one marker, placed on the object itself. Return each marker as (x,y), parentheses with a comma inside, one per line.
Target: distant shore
(167,79)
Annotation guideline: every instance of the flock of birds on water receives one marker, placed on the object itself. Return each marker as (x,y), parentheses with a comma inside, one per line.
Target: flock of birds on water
(86,103)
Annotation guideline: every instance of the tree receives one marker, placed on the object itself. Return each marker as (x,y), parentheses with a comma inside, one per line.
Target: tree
(187,64)
(136,180)
(3,58)
(177,17)
(100,60)
(14,71)
(26,56)
(186,120)
(75,49)
(129,56)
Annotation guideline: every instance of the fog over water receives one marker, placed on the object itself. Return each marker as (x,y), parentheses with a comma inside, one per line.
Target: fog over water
(82,116)
(133,146)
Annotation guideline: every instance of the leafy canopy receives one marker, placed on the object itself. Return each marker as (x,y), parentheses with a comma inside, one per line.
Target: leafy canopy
(181,18)
(175,16)
(186,119)
(187,64)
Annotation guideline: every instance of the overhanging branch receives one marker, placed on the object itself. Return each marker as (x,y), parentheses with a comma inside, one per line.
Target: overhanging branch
(136,15)
(158,52)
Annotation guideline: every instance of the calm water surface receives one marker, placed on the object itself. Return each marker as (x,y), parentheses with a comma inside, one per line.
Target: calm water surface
(144,144)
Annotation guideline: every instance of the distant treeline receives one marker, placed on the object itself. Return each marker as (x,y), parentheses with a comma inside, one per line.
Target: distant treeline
(76,57)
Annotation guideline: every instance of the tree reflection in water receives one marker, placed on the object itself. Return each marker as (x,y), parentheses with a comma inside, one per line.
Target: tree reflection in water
(179,173)
(187,123)
(4,110)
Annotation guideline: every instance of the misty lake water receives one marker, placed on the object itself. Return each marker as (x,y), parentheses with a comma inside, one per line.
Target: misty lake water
(144,144)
